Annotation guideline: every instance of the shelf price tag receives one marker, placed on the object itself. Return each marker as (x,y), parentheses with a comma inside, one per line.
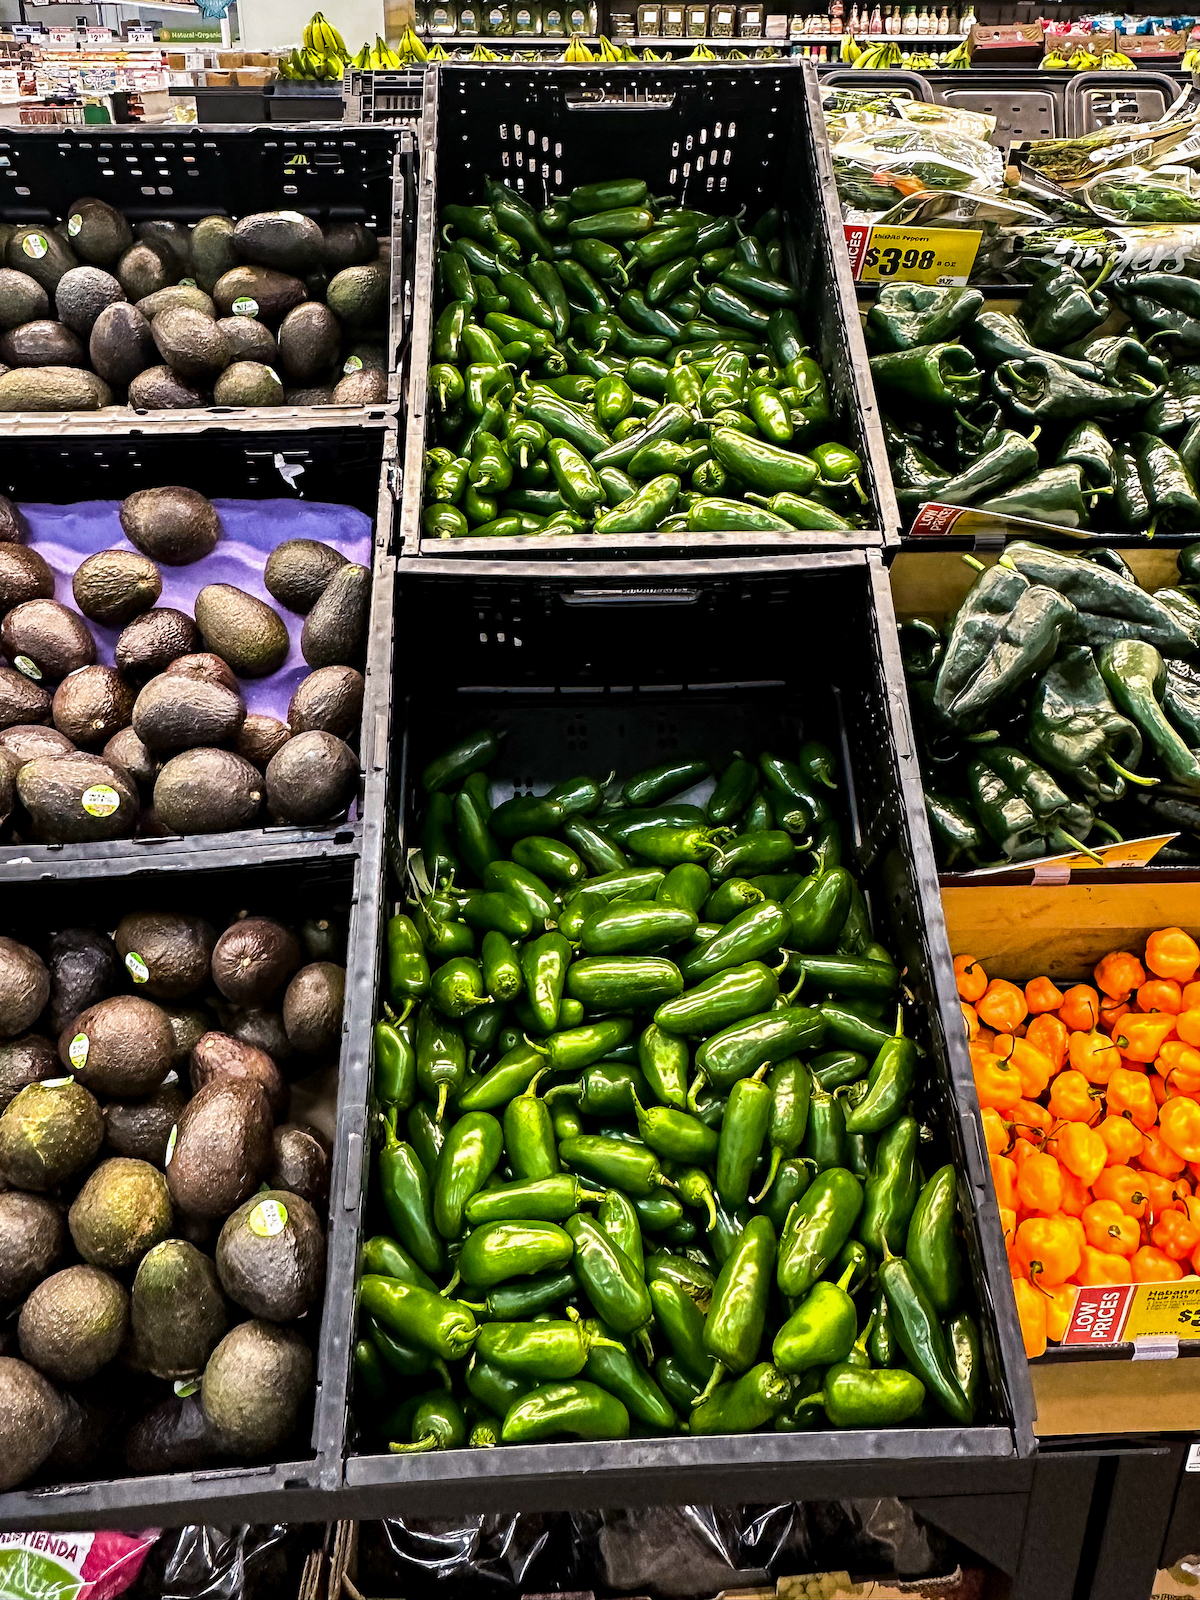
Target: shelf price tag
(942,256)
(1125,1312)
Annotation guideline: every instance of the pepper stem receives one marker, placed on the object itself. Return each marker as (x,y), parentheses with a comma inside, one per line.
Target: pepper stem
(1107,827)
(776,1158)
(443,1372)
(972,561)
(711,1207)
(452,1285)
(443,1096)
(427,1441)
(1131,777)
(1061,833)
(693,1094)
(647,1344)
(718,1372)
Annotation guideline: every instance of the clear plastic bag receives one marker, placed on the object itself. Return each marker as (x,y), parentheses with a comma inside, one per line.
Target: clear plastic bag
(238,1563)
(875,170)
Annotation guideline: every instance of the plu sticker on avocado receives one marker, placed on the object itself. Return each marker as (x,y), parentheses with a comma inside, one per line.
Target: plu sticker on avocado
(30,668)
(137,968)
(186,1386)
(34,245)
(243,306)
(268,1218)
(353,364)
(74,224)
(174,1134)
(187,283)
(101,801)
(54,1083)
(77,1051)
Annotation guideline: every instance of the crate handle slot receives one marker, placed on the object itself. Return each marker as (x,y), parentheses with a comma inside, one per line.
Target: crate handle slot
(629,597)
(629,100)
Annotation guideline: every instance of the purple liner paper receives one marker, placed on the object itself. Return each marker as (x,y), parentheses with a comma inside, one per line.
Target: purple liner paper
(250,529)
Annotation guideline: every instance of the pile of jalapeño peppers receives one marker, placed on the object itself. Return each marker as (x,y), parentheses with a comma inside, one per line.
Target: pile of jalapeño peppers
(1061,700)
(650,1162)
(1047,414)
(619,364)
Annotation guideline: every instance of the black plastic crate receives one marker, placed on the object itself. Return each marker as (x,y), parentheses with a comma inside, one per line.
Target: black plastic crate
(723,136)
(183,173)
(351,467)
(592,672)
(386,96)
(254,1492)
(300,102)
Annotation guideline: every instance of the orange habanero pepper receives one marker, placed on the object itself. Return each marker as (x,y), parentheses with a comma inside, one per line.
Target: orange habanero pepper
(1008,1225)
(1175,1234)
(1179,1125)
(1002,1006)
(1109,1228)
(1158,1156)
(997,1083)
(1060,1308)
(1160,1089)
(1129,1094)
(1140,1038)
(1095,1055)
(1031,1314)
(1039,1184)
(1111,1012)
(1187,1024)
(1125,1188)
(1102,1266)
(995,1134)
(1080,1010)
(1172,953)
(1166,1193)
(1189,1000)
(1076,1194)
(1161,994)
(1004,1180)
(1073,1099)
(1123,1141)
(1082,1151)
(1031,1121)
(1048,1034)
(972,980)
(1042,995)
(1150,1265)
(1119,973)
(1035,1068)
(1179,1065)
(1048,1250)
(970,1021)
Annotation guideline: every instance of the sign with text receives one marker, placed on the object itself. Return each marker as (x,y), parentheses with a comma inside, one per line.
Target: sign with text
(1120,1313)
(911,255)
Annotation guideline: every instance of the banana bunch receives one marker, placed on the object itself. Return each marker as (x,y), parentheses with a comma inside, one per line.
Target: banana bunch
(1053,61)
(850,50)
(608,51)
(1190,60)
(1116,61)
(437,52)
(879,56)
(482,53)
(701,53)
(920,61)
(959,58)
(309,67)
(323,39)
(410,48)
(576,52)
(650,55)
(1083,61)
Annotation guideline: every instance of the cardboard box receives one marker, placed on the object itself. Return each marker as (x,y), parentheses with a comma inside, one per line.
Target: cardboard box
(1178,1582)
(231,58)
(218,80)
(253,77)
(256,58)
(177,61)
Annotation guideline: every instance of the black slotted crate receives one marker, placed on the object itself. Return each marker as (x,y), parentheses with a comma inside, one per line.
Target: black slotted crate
(720,137)
(349,466)
(183,173)
(591,671)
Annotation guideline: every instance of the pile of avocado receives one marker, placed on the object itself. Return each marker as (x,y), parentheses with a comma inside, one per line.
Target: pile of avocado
(161,1221)
(161,743)
(270,310)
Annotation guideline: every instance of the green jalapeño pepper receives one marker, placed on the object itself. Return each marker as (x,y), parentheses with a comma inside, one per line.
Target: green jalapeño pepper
(605,1089)
(818,1226)
(921,1338)
(408,1199)
(498,910)
(739,1407)
(664,1061)
(623,983)
(687,886)
(544,963)
(551,1199)
(966,1353)
(498,1251)
(632,1168)
(761,928)
(513,882)
(395,1064)
(453,766)
(739,1051)
(825,1133)
(792,1179)
(566,1410)
(573,1049)
(790,1084)
(441,1056)
(511,1076)
(743,1130)
(386,1259)
(419,1317)
(610,1279)
(624,928)
(733,792)
(456,988)
(539,1351)
(857,1397)
(889,1083)
(408,967)
(822,1329)
(817,910)
(618,1218)
(469,1156)
(529,1135)
(724,998)
(438,1424)
(891,1191)
(526,1298)
(931,1248)
(675,1135)
(733,1329)
(621,1375)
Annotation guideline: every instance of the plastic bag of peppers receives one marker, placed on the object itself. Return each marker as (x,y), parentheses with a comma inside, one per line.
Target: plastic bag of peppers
(1082,406)
(1092,1121)
(1062,701)
(619,364)
(649,1157)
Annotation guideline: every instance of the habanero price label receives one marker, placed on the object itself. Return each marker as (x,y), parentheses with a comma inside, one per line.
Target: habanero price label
(1123,1312)
(941,256)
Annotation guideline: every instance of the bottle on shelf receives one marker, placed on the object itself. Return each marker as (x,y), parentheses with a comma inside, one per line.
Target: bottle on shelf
(835,16)
(909,21)
(966,19)
(923,20)
(875,23)
(852,19)
(943,25)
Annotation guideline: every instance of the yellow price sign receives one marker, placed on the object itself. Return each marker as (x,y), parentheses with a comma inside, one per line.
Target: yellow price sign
(942,256)
(1160,1308)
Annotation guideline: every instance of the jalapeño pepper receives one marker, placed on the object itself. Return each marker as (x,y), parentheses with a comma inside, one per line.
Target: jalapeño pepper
(620,1374)
(544,964)
(611,1280)
(889,1083)
(921,1338)
(739,1051)
(816,1229)
(552,1199)
(891,1191)
(395,1064)
(762,927)
(931,1248)
(498,1251)
(733,1328)
(822,1329)
(632,1168)
(468,1158)
(511,1076)
(566,1410)
(417,1316)
(408,1199)
(441,1056)
(739,1407)
(792,1179)
(743,1130)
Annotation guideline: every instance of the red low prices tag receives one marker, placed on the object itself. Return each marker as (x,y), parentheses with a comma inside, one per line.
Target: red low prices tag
(1100,1314)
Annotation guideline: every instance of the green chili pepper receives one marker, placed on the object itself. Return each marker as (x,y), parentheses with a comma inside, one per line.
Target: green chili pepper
(734,1326)
(601,853)
(469,1156)
(856,1397)
(417,1316)
(395,1065)
(966,1353)
(743,1405)
(825,1132)
(743,1130)
(624,928)
(611,1280)
(675,1135)
(818,1226)
(762,927)
(605,1089)
(632,1168)
(891,1191)
(426,1135)
(454,765)
(370,1374)
(529,1135)
(496,910)
(822,1329)
(456,988)
(552,1199)
(889,1083)
(441,1056)
(738,1051)
(837,1068)
(617,983)
(535,1350)
(497,1251)
(492,1387)
(921,1338)
(386,1259)
(620,1374)
(931,1246)
(618,1218)
(566,1410)
(573,1049)
(792,1179)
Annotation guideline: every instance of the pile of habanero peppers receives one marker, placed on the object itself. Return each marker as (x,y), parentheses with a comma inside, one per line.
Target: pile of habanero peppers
(650,1162)
(1082,405)
(1058,679)
(618,364)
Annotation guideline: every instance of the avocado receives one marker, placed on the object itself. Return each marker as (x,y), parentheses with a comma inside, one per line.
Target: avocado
(160,389)
(77,799)
(128,751)
(312,1008)
(53,389)
(84,967)
(179,294)
(257,292)
(255,1026)
(283,239)
(27,743)
(244,631)
(92,1410)
(248,383)
(271,1256)
(205,667)
(298,572)
(324,940)
(309,339)
(141,1129)
(188,1024)
(312,779)
(173,1436)
(321,395)
(166,953)
(30,1058)
(177,1313)
(121,1211)
(8,786)
(329,700)
(22,299)
(21,701)
(114,586)
(24,987)
(173,525)
(146,267)
(32,1234)
(254,1385)
(13,527)
(219,1055)
(121,345)
(46,641)
(91,705)
(98,233)
(250,340)
(260,739)
(335,630)
(24,575)
(254,959)
(213,253)
(207,791)
(123,1046)
(222,1148)
(32,1414)
(300,1163)
(41,344)
(348,244)
(152,641)
(73,1323)
(359,295)
(365,353)
(42,254)
(173,235)
(190,343)
(82,294)
(174,712)
(367,387)
(49,1132)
